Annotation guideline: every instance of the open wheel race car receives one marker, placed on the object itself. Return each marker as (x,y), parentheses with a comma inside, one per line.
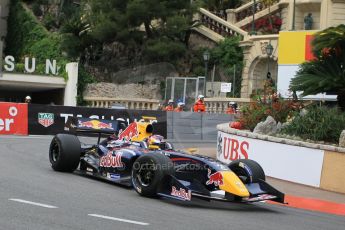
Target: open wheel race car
(156,169)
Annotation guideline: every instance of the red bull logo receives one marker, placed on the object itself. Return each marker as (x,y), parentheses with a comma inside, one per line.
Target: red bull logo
(95,124)
(110,161)
(215,178)
(129,132)
(181,193)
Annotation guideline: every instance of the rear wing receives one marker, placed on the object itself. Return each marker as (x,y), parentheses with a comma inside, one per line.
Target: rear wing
(89,125)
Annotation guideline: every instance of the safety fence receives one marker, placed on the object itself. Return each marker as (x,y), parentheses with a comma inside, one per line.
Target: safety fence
(35,119)
(185,126)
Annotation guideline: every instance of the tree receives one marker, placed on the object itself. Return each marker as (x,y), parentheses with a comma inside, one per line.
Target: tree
(143,24)
(229,55)
(327,72)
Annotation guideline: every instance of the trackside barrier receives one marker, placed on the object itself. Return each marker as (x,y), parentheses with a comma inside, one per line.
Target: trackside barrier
(36,119)
(45,119)
(296,161)
(13,118)
(189,126)
(24,119)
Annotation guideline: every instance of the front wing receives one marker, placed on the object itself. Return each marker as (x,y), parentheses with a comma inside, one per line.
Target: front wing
(173,188)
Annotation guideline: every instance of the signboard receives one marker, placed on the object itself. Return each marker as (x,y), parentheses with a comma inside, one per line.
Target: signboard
(225,87)
(9,65)
(13,118)
(286,162)
(290,59)
(50,120)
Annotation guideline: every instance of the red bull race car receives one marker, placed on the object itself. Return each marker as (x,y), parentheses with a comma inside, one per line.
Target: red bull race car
(134,157)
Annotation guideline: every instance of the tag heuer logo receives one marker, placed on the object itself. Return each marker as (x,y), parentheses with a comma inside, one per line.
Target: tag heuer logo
(46,119)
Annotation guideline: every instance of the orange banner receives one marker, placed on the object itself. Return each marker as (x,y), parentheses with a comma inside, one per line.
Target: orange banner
(13,118)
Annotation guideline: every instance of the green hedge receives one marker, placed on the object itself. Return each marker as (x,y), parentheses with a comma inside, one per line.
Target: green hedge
(318,124)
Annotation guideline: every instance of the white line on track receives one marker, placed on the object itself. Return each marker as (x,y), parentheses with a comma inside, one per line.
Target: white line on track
(118,219)
(33,203)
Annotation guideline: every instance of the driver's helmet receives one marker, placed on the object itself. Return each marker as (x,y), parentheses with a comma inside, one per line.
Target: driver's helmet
(155,142)
(201,97)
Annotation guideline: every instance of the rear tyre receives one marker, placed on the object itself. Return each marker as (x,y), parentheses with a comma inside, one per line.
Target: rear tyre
(148,172)
(248,171)
(64,152)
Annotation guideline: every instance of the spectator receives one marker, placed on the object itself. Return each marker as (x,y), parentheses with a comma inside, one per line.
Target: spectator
(199,105)
(27,99)
(180,107)
(232,108)
(308,22)
(170,106)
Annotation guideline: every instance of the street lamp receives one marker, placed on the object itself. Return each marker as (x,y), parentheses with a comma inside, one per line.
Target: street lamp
(269,51)
(206,56)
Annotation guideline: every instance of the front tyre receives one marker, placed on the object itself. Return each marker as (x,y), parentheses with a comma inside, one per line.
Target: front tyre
(64,152)
(247,170)
(148,172)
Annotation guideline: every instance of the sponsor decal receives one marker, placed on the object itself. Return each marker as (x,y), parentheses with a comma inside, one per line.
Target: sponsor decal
(181,193)
(13,118)
(215,178)
(260,197)
(113,176)
(95,124)
(46,119)
(89,169)
(111,160)
(129,132)
(234,149)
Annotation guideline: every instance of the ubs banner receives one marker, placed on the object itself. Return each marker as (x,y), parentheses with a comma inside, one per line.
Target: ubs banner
(287,162)
(45,120)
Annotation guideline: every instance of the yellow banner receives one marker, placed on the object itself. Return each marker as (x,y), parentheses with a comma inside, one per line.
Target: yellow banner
(294,47)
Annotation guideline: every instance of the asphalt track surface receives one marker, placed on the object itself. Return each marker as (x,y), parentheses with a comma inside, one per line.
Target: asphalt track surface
(33,196)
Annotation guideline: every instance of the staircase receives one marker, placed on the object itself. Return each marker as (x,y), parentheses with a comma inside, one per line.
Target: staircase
(216,28)
(238,21)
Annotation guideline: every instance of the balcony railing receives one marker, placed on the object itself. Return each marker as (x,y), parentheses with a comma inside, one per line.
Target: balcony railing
(220,105)
(247,9)
(132,103)
(219,25)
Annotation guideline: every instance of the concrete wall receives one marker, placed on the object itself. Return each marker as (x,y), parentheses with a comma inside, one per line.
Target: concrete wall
(301,162)
(185,126)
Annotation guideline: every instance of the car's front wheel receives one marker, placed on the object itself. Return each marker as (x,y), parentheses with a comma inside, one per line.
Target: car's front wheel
(148,172)
(247,170)
(64,152)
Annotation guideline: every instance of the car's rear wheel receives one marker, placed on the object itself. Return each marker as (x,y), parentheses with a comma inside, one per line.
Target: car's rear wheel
(64,152)
(247,170)
(148,172)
